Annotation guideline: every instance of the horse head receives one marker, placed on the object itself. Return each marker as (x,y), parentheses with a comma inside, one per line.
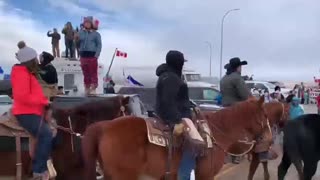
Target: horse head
(278,113)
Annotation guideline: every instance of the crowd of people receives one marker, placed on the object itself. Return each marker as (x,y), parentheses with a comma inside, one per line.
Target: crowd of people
(71,38)
(35,81)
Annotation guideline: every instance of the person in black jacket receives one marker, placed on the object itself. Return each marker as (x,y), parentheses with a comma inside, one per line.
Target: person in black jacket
(48,74)
(173,106)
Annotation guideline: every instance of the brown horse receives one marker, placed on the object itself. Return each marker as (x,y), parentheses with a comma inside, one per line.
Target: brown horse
(278,114)
(124,151)
(66,154)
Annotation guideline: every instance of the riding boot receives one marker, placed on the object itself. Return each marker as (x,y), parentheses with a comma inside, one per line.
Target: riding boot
(41,176)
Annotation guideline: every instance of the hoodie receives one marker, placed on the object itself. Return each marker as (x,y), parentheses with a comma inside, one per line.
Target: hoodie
(172,99)
(27,92)
(48,72)
(296,109)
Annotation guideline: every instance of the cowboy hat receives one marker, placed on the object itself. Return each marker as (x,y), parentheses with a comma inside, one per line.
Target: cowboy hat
(234,63)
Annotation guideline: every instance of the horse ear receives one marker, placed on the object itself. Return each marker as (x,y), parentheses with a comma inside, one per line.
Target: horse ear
(261,100)
(125,100)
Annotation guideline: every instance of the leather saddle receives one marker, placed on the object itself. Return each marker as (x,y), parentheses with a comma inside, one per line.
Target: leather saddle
(10,127)
(159,132)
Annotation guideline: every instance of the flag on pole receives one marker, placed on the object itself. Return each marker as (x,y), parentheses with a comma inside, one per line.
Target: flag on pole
(121,54)
(133,82)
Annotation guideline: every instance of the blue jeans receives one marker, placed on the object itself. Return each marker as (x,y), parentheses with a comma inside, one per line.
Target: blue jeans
(43,150)
(187,164)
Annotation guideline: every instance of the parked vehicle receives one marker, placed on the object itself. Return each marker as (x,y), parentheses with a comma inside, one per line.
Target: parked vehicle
(203,96)
(256,86)
(5,103)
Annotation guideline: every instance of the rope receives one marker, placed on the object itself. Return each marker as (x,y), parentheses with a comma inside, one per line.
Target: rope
(232,154)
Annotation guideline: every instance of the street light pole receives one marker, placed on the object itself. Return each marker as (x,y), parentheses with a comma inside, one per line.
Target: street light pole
(221,45)
(210,60)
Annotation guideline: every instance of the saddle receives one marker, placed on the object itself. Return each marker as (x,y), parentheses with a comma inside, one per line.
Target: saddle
(10,127)
(159,132)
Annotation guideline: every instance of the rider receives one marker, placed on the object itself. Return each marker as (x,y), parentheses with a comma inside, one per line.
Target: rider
(29,105)
(173,106)
(233,88)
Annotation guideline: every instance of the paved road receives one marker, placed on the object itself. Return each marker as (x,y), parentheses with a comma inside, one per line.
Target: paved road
(240,172)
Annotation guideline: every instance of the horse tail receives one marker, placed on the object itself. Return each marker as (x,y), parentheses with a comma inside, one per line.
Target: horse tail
(90,143)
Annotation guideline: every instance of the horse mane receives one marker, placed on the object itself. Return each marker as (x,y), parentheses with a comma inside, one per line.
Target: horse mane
(235,116)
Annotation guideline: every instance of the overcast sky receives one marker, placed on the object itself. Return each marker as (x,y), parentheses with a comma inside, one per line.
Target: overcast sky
(280,39)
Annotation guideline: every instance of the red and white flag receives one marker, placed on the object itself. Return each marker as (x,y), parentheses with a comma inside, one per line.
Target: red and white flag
(121,54)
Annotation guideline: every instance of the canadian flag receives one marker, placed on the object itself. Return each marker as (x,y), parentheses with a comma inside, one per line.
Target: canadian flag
(121,54)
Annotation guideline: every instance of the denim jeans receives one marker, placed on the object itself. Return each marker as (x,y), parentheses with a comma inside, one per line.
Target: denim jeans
(43,150)
(187,164)
(69,48)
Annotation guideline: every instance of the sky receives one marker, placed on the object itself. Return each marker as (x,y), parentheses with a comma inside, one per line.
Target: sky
(280,39)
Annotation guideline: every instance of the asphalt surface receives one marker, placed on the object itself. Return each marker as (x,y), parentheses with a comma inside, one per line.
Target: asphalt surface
(240,172)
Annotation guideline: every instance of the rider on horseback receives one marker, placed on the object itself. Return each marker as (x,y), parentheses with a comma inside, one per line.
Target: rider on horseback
(173,106)
(29,105)
(233,88)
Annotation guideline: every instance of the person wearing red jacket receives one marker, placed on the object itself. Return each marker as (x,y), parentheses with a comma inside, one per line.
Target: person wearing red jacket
(28,107)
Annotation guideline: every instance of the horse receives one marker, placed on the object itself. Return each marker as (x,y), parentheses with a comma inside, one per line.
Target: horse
(124,151)
(278,114)
(71,124)
(301,145)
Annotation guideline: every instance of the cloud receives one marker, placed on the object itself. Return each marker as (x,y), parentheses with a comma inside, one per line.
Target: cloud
(279,39)
(18,27)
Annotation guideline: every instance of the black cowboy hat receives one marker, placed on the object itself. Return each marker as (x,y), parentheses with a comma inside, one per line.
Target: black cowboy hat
(234,63)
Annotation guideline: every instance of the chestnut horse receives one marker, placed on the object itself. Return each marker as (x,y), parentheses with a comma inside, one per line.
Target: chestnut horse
(278,114)
(66,153)
(124,151)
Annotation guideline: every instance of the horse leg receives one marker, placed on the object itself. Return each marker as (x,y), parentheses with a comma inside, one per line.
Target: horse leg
(266,171)
(284,166)
(309,169)
(253,165)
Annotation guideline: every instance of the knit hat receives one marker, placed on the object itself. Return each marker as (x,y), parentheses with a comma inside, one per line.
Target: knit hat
(26,54)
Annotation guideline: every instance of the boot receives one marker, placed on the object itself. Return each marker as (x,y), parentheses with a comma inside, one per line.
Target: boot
(92,90)
(51,170)
(86,91)
(41,176)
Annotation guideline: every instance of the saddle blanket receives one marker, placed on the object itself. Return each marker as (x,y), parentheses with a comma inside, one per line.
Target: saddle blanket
(158,136)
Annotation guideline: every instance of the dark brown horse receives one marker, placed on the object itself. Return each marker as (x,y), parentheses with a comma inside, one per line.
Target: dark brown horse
(72,123)
(124,151)
(278,114)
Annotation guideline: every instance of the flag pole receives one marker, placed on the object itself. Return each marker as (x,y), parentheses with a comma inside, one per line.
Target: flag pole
(114,55)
